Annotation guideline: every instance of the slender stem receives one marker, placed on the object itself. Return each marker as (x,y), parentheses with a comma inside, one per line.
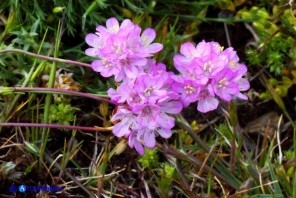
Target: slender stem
(26,81)
(234,122)
(61,91)
(227,34)
(268,38)
(56,126)
(70,62)
(195,137)
(181,175)
(48,99)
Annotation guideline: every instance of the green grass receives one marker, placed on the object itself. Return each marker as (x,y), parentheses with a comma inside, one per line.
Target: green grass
(57,137)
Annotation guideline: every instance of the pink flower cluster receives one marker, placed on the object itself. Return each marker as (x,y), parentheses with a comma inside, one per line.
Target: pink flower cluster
(148,95)
(145,98)
(146,105)
(122,49)
(209,72)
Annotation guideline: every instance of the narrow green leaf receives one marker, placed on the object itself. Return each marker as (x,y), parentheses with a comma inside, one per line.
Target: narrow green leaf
(276,185)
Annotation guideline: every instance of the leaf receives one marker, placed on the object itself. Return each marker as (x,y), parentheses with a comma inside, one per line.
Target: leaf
(239,2)
(274,95)
(226,5)
(277,188)
(32,148)
(34,27)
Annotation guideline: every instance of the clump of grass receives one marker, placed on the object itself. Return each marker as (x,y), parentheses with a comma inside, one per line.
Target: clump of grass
(67,142)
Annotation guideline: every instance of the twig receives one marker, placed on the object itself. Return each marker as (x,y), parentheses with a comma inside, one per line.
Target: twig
(268,38)
(252,31)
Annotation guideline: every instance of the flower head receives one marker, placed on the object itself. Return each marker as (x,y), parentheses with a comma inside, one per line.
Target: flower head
(148,105)
(224,85)
(209,72)
(188,90)
(121,48)
(147,94)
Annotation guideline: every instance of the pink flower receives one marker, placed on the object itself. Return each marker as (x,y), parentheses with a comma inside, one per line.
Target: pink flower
(147,108)
(206,100)
(150,87)
(127,120)
(133,142)
(224,85)
(96,42)
(188,89)
(122,49)
(209,72)
(148,95)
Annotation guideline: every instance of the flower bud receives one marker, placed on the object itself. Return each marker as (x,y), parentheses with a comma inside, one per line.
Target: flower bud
(6,90)
(104,109)
(58,9)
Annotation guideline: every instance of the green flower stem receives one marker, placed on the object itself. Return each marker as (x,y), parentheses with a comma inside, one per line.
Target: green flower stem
(59,91)
(48,99)
(70,62)
(179,121)
(56,126)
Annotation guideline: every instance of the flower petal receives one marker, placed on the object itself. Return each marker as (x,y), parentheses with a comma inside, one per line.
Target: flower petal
(91,52)
(126,23)
(154,47)
(131,140)
(93,40)
(165,121)
(165,133)
(207,104)
(121,113)
(242,96)
(114,95)
(112,25)
(139,61)
(148,36)
(120,75)
(131,71)
(231,88)
(223,95)
(139,147)
(173,107)
(188,49)
(180,60)
(97,65)
(121,128)
(203,50)
(149,139)
(243,84)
